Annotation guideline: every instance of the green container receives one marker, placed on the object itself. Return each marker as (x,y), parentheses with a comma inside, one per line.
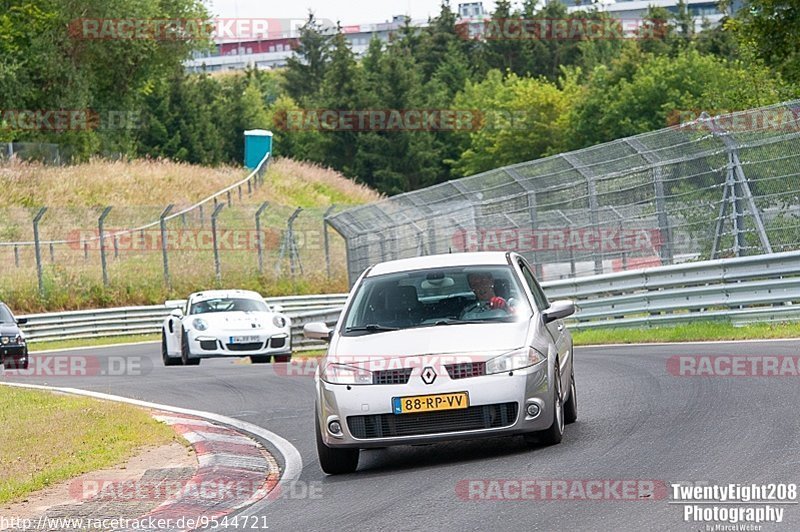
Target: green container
(257,144)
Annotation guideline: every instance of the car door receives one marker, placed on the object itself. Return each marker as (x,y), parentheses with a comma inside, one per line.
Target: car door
(558,331)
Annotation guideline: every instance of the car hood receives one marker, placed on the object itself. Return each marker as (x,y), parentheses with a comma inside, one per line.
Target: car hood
(479,341)
(6,329)
(235,320)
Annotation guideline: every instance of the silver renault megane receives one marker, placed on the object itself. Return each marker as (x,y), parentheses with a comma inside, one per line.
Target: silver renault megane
(443,347)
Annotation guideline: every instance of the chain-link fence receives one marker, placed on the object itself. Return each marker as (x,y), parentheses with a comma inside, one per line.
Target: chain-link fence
(226,240)
(31,151)
(715,187)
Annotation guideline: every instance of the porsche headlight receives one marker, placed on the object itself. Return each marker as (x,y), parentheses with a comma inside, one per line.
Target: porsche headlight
(279,321)
(199,324)
(342,374)
(517,359)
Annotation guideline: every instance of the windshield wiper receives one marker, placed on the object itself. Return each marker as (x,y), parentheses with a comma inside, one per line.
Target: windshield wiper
(371,327)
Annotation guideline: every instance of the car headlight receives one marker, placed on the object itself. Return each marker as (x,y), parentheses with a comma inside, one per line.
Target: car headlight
(517,359)
(342,374)
(199,324)
(279,321)
(4,339)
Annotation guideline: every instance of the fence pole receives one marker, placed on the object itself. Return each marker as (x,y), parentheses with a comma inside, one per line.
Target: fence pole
(229,199)
(202,219)
(100,229)
(52,253)
(164,244)
(325,239)
(16,255)
(116,246)
(85,250)
(259,235)
(37,249)
(217,267)
(293,253)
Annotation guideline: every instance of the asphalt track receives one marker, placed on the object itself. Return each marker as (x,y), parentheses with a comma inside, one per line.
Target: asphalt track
(637,421)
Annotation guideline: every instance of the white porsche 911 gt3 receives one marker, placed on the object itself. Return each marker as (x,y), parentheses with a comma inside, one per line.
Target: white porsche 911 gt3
(225,323)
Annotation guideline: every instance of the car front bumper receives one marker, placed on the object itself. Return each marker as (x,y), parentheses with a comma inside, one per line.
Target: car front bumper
(204,345)
(498,406)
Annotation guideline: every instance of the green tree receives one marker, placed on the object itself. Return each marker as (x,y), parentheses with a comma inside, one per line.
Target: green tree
(305,70)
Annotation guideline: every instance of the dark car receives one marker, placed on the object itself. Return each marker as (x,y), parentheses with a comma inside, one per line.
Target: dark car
(13,348)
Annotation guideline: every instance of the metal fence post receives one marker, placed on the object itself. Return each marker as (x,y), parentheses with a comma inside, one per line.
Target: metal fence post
(52,253)
(116,246)
(217,266)
(591,188)
(38,251)
(229,199)
(202,218)
(259,236)
(164,244)
(100,229)
(325,239)
(16,255)
(289,246)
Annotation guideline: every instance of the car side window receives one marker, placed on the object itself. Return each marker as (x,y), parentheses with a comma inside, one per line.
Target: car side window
(538,294)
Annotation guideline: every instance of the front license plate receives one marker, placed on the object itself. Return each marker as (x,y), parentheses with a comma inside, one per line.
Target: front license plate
(244,339)
(428,403)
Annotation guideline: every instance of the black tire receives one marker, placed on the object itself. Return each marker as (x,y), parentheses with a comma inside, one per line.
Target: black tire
(571,406)
(17,362)
(283,358)
(552,435)
(263,359)
(168,360)
(335,461)
(186,360)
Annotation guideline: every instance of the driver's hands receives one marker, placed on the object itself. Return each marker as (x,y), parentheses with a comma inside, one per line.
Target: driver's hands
(497,303)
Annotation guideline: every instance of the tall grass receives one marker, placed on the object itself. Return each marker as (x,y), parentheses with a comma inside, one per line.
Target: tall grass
(138,191)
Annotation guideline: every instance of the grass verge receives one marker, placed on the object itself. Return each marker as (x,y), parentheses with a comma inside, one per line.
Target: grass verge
(92,342)
(48,438)
(690,332)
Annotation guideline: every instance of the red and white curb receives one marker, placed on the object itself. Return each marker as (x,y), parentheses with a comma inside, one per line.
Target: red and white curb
(234,471)
(211,442)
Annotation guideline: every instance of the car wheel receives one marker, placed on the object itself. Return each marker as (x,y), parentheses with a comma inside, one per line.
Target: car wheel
(283,358)
(571,406)
(168,360)
(263,359)
(554,434)
(185,358)
(18,363)
(335,461)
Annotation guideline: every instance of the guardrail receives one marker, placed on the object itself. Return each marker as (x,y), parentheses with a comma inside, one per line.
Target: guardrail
(743,290)
(126,321)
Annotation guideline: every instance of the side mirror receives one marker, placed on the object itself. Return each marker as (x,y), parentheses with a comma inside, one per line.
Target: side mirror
(178,313)
(558,310)
(277,308)
(317,331)
(22,321)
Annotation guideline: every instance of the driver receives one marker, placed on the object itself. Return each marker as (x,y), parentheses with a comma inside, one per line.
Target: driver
(482,284)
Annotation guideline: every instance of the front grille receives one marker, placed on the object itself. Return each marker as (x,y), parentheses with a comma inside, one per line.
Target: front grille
(472,418)
(277,342)
(254,346)
(391,376)
(466,370)
(208,345)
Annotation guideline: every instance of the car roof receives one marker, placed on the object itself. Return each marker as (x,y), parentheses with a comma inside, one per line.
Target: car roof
(480,258)
(223,294)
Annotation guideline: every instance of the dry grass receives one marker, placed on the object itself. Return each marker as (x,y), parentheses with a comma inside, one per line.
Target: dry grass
(47,438)
(149,182)
(138,191)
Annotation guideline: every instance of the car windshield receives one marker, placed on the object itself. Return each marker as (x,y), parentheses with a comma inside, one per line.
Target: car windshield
(228,305)
(436,297)
(5,315)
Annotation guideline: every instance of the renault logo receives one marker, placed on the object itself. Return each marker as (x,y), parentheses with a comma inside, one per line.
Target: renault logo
(428,375)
